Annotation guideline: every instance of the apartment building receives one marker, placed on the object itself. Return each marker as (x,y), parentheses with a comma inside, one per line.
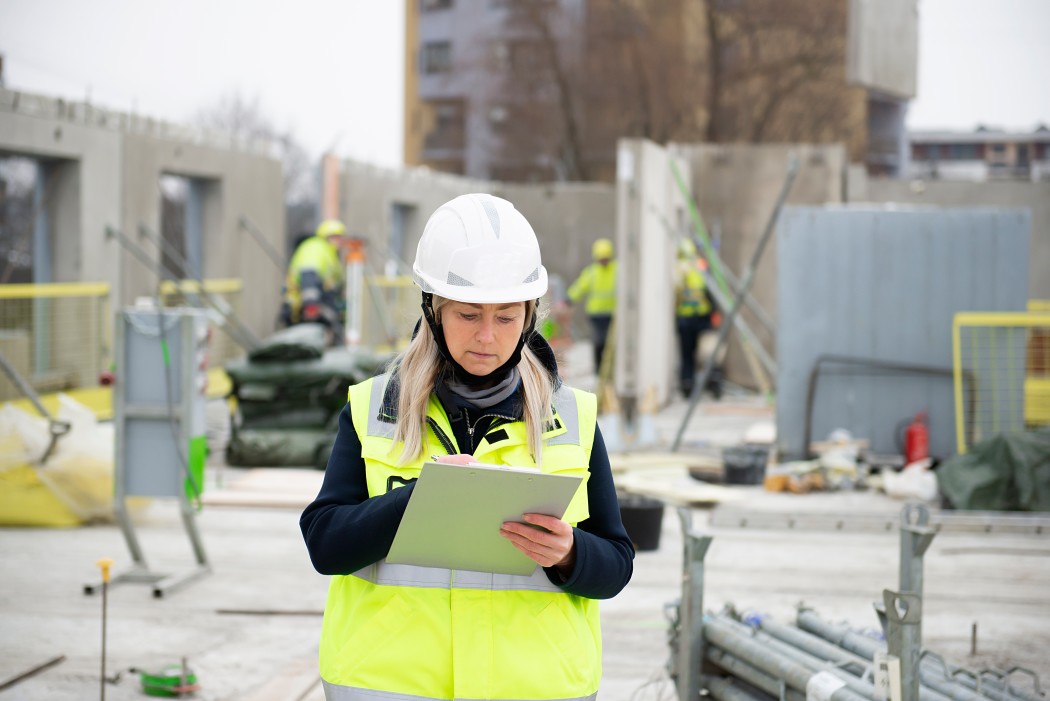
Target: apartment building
(522,90)
(983,154)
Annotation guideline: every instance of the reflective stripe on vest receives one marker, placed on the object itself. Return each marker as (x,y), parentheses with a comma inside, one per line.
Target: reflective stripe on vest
(384,573)
(334,692)
(407,632)
(692,299)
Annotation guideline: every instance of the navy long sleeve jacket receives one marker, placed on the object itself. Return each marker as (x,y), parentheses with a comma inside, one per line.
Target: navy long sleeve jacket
(346,530)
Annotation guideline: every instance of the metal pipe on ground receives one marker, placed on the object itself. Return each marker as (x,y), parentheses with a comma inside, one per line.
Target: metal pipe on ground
(813,662)
(797,675)
(814,645)
(751,674)
(724,690)
(932,675)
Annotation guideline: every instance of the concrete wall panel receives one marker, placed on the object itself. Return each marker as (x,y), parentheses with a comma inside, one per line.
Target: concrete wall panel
(107,175)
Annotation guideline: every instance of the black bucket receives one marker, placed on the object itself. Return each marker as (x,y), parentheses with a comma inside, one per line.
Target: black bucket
(642,517)
(745,464)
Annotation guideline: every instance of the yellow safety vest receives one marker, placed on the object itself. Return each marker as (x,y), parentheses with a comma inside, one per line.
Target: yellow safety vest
(691,297)
(598,283)
(315,253)
(434,633)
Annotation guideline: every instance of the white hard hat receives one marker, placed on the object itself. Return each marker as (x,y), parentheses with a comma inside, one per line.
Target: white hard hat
(479,249)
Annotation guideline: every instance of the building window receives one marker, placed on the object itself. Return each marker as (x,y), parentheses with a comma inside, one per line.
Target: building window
(448,131)
(431,5)
(963,152)
(500,55)
(498,114)
(437,57)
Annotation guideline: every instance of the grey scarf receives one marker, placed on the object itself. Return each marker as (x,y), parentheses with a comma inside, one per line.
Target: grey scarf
(490,396)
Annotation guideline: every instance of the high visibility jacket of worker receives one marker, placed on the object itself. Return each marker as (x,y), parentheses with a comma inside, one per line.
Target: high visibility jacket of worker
(597,283)
(432,633)
(691,291)
(317,254)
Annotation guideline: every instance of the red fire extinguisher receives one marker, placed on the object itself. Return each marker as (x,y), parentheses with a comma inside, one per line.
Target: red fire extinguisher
(916,439)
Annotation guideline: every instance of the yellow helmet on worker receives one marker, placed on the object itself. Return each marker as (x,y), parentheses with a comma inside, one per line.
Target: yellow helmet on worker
(329,228)
(602,249)
(686,249)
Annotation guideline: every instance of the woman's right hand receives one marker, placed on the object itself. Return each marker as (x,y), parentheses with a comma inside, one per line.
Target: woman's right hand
(458,459)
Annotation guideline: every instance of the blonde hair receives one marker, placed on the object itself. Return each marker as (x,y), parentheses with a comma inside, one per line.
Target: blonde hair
(419,367)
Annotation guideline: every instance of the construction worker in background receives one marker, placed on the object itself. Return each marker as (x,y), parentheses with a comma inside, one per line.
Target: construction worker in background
(316,270)
(597,283)
(693,312)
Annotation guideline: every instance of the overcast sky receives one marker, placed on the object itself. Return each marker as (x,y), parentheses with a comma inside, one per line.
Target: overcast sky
(331,70)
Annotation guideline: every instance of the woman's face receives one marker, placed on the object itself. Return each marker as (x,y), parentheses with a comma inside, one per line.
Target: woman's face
(481,337)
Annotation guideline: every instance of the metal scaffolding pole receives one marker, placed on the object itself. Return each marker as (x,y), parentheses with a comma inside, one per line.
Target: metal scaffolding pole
(734,310)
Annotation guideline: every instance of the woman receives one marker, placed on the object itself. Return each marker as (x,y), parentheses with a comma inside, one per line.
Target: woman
(475,383)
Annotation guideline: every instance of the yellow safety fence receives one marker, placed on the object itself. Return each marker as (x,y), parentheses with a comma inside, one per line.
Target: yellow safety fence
(1007,355)
(56,336)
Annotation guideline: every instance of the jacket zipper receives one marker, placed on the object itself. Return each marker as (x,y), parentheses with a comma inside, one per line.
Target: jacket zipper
(498,420)
(450,448)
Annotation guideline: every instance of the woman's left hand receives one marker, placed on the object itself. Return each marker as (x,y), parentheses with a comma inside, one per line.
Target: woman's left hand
(551,544)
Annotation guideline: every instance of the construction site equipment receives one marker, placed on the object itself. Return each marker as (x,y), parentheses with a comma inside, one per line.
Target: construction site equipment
(159,401)
(642,518)
(687,632)
(734,309)
(56,427)
(248,225)
(104,564)
(170,682)
(917,439)
(816,659)
(55,336)
(1008,356)
(355,290)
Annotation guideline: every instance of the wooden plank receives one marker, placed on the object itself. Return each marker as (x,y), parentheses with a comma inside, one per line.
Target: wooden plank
(675,488)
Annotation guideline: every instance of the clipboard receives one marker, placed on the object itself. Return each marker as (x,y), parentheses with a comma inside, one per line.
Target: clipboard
(454,515)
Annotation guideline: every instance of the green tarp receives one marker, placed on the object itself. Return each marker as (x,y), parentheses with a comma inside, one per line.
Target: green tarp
(1009,472)
(289,394)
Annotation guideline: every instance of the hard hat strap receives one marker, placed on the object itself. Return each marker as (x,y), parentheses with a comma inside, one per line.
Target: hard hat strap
(458,371)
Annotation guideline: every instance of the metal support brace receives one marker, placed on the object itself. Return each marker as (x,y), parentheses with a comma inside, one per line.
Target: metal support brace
(902,617)
(691,610)
(916,536)
(738,301)
(239,332)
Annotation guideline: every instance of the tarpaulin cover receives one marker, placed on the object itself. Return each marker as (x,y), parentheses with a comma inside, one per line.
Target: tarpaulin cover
(298,342)
(1009,472)
(288,404)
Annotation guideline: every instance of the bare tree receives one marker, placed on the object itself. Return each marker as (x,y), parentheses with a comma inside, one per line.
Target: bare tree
(718,70)
(243,117)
